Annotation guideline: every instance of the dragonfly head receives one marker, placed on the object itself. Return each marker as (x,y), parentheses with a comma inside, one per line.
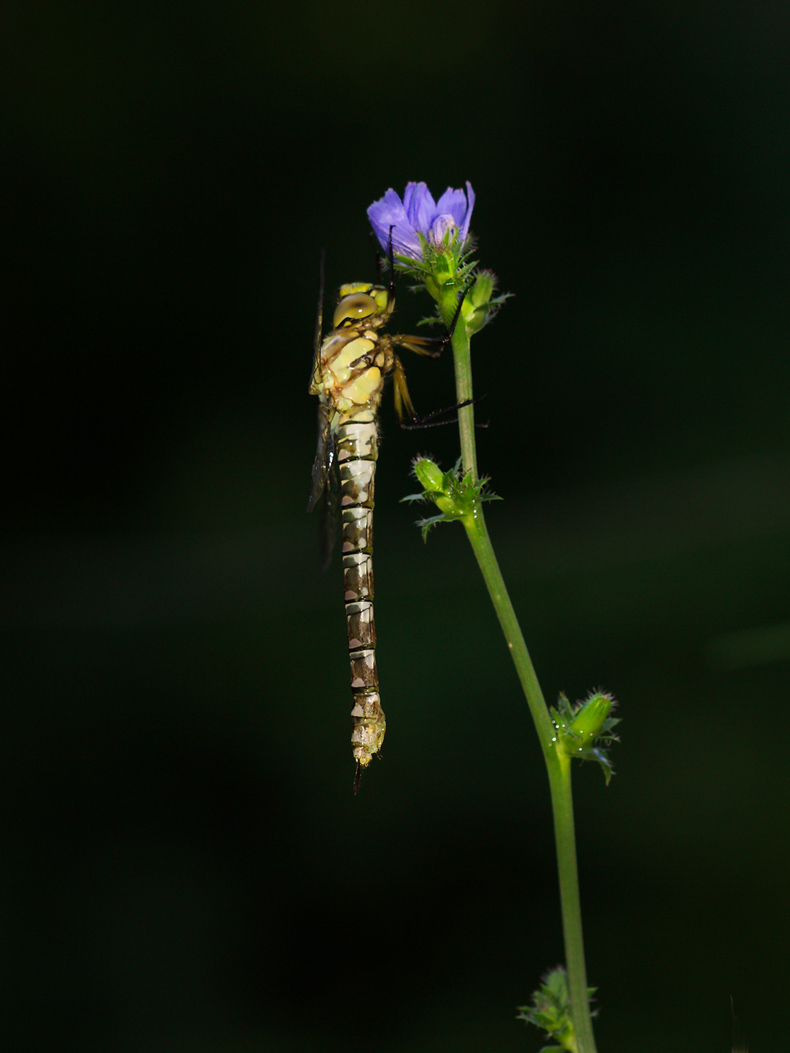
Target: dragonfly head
(361,302)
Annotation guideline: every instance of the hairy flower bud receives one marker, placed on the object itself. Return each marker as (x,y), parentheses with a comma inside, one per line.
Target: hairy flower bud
(429,474)
(589,720)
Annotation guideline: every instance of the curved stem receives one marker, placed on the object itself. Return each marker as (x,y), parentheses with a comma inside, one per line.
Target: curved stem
(477,532)
(558,763)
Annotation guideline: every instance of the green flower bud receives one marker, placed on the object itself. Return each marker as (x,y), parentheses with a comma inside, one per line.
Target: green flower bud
(480,305)
(435,482)
(483,288)
(429,474)
(589,720)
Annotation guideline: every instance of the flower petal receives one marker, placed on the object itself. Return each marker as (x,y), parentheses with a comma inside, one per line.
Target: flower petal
(463,228)
(459,205)
(388,213)
(420,206)
(454,203)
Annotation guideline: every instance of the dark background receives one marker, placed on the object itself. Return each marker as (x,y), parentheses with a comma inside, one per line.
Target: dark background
(185,865)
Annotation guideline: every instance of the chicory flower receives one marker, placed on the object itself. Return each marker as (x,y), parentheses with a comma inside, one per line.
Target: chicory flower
(419,216)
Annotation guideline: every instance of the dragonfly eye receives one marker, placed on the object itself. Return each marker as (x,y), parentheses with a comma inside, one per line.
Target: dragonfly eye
(354,307)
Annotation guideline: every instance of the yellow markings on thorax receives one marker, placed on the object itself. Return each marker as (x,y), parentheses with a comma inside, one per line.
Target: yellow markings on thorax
(360,391)
(355,371)
(350,359)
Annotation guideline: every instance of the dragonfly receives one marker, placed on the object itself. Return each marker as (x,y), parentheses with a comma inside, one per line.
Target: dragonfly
(350,367)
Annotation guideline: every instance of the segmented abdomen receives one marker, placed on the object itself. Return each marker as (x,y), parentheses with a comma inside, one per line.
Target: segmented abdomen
(357,450)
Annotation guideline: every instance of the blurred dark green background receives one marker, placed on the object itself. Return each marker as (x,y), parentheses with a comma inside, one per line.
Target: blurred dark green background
(185,866)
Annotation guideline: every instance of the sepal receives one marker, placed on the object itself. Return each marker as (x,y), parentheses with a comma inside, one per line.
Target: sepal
(550,1010)
(480,304)
(584,730)
(444,270)
(454,494)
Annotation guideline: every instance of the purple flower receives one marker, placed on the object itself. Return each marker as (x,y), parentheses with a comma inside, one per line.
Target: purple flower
(419,214)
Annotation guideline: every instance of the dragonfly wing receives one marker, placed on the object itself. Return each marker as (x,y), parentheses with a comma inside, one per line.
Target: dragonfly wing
(330,517)
(324,455)
(316,384)
(326,482)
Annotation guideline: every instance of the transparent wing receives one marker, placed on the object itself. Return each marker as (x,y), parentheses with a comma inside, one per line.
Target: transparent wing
(324,457)
(315,373)
(326,483)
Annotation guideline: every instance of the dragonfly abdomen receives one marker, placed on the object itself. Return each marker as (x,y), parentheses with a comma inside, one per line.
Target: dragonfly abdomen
(357,450)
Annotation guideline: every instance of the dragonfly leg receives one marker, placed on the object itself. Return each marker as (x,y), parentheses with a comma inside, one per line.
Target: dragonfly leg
(432,420)
(421,345)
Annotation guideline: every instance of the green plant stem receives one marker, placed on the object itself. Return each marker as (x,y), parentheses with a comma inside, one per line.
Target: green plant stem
(570,903)
(558,763)
(462,361)
(477,532)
